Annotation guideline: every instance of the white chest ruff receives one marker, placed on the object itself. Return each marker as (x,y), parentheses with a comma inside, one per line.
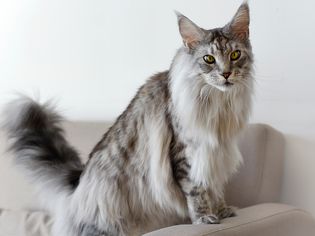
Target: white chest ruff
(212,165)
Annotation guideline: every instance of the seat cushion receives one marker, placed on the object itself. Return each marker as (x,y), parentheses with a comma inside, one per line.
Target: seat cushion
(24,223)
(259,220)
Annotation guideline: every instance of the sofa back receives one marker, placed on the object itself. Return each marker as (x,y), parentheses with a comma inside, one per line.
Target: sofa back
(258,180)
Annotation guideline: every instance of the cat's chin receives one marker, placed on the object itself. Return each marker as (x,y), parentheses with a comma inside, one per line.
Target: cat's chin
(224,87)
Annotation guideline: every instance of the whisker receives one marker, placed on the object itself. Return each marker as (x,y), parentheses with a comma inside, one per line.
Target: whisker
(244,83)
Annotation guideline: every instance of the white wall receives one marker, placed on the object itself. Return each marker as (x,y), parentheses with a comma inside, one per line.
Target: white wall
(93,55)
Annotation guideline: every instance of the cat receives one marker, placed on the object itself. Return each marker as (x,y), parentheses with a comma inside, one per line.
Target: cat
(166,158)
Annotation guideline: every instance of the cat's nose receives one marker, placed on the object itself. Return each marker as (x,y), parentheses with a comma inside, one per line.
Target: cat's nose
(226,75)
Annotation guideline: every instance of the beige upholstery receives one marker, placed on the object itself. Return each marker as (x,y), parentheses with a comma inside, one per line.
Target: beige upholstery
(258,220)
(24,223)
(258,181)
(259,178)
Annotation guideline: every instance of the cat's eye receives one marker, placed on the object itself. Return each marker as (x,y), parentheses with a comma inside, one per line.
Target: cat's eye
(209,59)
(235,55)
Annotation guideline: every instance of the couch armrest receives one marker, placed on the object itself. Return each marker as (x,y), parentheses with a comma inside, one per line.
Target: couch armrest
(259,220)
(259,178)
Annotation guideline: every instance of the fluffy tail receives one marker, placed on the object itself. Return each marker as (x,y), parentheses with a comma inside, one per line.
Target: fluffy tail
(39,146)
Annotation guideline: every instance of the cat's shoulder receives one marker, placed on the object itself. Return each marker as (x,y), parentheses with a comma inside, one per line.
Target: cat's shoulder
(156,87)
(159,80)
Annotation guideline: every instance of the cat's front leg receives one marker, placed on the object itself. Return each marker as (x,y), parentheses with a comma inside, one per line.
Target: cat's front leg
(223,210)
(200,203)
(199,200)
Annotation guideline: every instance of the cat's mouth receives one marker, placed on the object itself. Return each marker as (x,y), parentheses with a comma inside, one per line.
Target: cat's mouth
(224,86)
(227,84)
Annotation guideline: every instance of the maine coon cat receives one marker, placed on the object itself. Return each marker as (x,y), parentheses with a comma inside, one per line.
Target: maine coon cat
(168,155)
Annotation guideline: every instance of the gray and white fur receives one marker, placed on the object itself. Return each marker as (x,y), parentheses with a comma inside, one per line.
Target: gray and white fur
(167,157)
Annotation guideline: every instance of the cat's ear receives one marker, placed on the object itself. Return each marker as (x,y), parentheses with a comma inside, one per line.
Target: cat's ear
(239,26)
(191,34)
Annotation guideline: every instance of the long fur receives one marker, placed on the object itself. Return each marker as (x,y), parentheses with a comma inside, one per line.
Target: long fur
(40,147)
(167,157)
(213,121)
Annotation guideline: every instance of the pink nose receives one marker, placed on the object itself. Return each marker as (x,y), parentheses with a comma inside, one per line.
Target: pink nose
(226,75)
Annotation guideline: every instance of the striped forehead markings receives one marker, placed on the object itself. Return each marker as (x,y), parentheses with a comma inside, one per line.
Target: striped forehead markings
(220,44)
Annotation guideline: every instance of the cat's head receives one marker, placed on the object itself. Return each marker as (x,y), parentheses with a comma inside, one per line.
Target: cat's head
(221,57)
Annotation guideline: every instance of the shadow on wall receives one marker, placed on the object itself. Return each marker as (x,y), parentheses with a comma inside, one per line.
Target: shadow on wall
(299,165)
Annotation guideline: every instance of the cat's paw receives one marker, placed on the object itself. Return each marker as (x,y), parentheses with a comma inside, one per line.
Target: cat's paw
(227,211)
(207,219)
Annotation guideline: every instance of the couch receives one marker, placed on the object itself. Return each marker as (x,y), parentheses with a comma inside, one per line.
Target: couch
(255,190)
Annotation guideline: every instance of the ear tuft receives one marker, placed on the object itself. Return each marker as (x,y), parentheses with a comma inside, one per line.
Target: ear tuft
(191,34)
(239,25)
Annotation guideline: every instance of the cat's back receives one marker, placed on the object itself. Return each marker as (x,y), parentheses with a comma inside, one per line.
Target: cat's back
(130,156)
(151,101)
(155,91)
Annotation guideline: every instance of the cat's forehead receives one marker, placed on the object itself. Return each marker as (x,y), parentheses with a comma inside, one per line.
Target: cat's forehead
(214,35)
(216,41)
